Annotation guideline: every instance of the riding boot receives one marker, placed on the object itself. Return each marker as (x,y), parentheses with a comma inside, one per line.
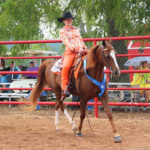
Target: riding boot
(65,92)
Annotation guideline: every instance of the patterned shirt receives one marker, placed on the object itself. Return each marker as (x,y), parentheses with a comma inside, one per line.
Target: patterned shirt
(72,39)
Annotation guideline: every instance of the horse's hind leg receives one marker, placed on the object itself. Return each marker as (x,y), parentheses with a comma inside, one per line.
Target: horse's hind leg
(82,116)
(60,104)
(57,115)
(104,99)
(57,106)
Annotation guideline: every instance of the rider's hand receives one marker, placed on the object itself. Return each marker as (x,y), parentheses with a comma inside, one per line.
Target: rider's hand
(83,52)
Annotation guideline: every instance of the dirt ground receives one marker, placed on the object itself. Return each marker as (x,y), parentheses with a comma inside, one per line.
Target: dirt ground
(20,130)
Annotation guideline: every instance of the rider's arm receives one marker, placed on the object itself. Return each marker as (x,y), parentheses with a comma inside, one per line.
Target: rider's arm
(83,44)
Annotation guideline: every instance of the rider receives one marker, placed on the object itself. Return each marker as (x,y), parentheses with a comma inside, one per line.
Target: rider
(72,40)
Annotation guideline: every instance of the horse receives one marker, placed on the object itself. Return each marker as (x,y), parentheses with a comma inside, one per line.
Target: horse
(97,57)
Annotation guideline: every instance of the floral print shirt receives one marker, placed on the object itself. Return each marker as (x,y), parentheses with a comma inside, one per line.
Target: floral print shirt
(72,39)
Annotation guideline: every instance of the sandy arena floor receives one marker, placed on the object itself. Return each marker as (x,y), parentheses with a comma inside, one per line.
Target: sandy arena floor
(20,130)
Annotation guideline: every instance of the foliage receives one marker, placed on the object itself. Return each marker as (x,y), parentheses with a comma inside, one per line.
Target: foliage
(101,18)
(21,19)
(130,16)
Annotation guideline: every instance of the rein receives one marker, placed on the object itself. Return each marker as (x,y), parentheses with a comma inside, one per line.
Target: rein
(101,85)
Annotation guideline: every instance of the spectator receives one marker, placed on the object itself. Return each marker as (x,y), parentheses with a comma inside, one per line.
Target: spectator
(136,83)
(12,67)
(3,78)
(145,81)
(22,68)
(136,77)
(142,79)
(31,68)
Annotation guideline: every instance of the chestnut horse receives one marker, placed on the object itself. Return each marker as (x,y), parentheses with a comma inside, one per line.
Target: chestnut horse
(97,58)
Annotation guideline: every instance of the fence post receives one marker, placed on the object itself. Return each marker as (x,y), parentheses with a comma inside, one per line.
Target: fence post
(96,106)
(95,99)
(94,43)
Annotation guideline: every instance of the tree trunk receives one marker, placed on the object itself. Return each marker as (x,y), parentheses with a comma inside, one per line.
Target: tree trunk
(121,48)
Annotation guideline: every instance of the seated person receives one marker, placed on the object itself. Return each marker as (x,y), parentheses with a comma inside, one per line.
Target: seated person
(31,68)
(3,78)
(22,68)
(12,67)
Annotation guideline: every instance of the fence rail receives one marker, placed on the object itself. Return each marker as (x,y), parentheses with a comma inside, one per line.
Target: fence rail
(106,71)
(85,40)
(77,103)
(46,89)
(58,57)
(94,40)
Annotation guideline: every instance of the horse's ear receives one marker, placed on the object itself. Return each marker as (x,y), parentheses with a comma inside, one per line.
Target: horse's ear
(104,43)
(91,57)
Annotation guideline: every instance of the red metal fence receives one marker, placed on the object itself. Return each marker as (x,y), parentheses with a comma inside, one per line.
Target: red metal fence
(94,40)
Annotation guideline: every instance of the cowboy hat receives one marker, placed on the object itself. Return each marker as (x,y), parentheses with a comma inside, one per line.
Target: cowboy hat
(66,15)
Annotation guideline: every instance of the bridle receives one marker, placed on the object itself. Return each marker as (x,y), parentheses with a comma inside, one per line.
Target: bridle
(105,56)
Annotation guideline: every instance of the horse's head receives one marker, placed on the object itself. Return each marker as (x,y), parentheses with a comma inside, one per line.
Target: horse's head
(99,56)
(109,55)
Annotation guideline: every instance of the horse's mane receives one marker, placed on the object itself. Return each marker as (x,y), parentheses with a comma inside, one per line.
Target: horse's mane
(91,57)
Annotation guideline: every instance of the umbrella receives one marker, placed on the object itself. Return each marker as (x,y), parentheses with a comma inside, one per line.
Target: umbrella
(137,61)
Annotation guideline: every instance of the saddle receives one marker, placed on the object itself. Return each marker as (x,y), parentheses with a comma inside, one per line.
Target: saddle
(57,67)
(74,70)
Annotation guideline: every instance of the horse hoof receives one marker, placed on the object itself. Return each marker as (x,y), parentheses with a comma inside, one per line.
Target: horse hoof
(74,130)
(57,128)
(79,134)
(117,139)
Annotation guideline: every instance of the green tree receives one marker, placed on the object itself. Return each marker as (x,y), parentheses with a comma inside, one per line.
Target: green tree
(114,18)
(21,20)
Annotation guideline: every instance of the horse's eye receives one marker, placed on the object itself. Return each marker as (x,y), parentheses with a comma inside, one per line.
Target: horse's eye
(107,56)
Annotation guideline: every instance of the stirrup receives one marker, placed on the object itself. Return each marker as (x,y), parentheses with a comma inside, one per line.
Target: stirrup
(65,93)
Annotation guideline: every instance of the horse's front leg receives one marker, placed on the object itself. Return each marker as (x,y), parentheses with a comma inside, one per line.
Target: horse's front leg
(104,99)
(74,127)
(82,116)
(60,104)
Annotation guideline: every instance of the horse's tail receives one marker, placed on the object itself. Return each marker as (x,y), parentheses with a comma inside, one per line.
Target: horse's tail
(41,82)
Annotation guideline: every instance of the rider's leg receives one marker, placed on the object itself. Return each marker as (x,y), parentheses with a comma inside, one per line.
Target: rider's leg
(67,63)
